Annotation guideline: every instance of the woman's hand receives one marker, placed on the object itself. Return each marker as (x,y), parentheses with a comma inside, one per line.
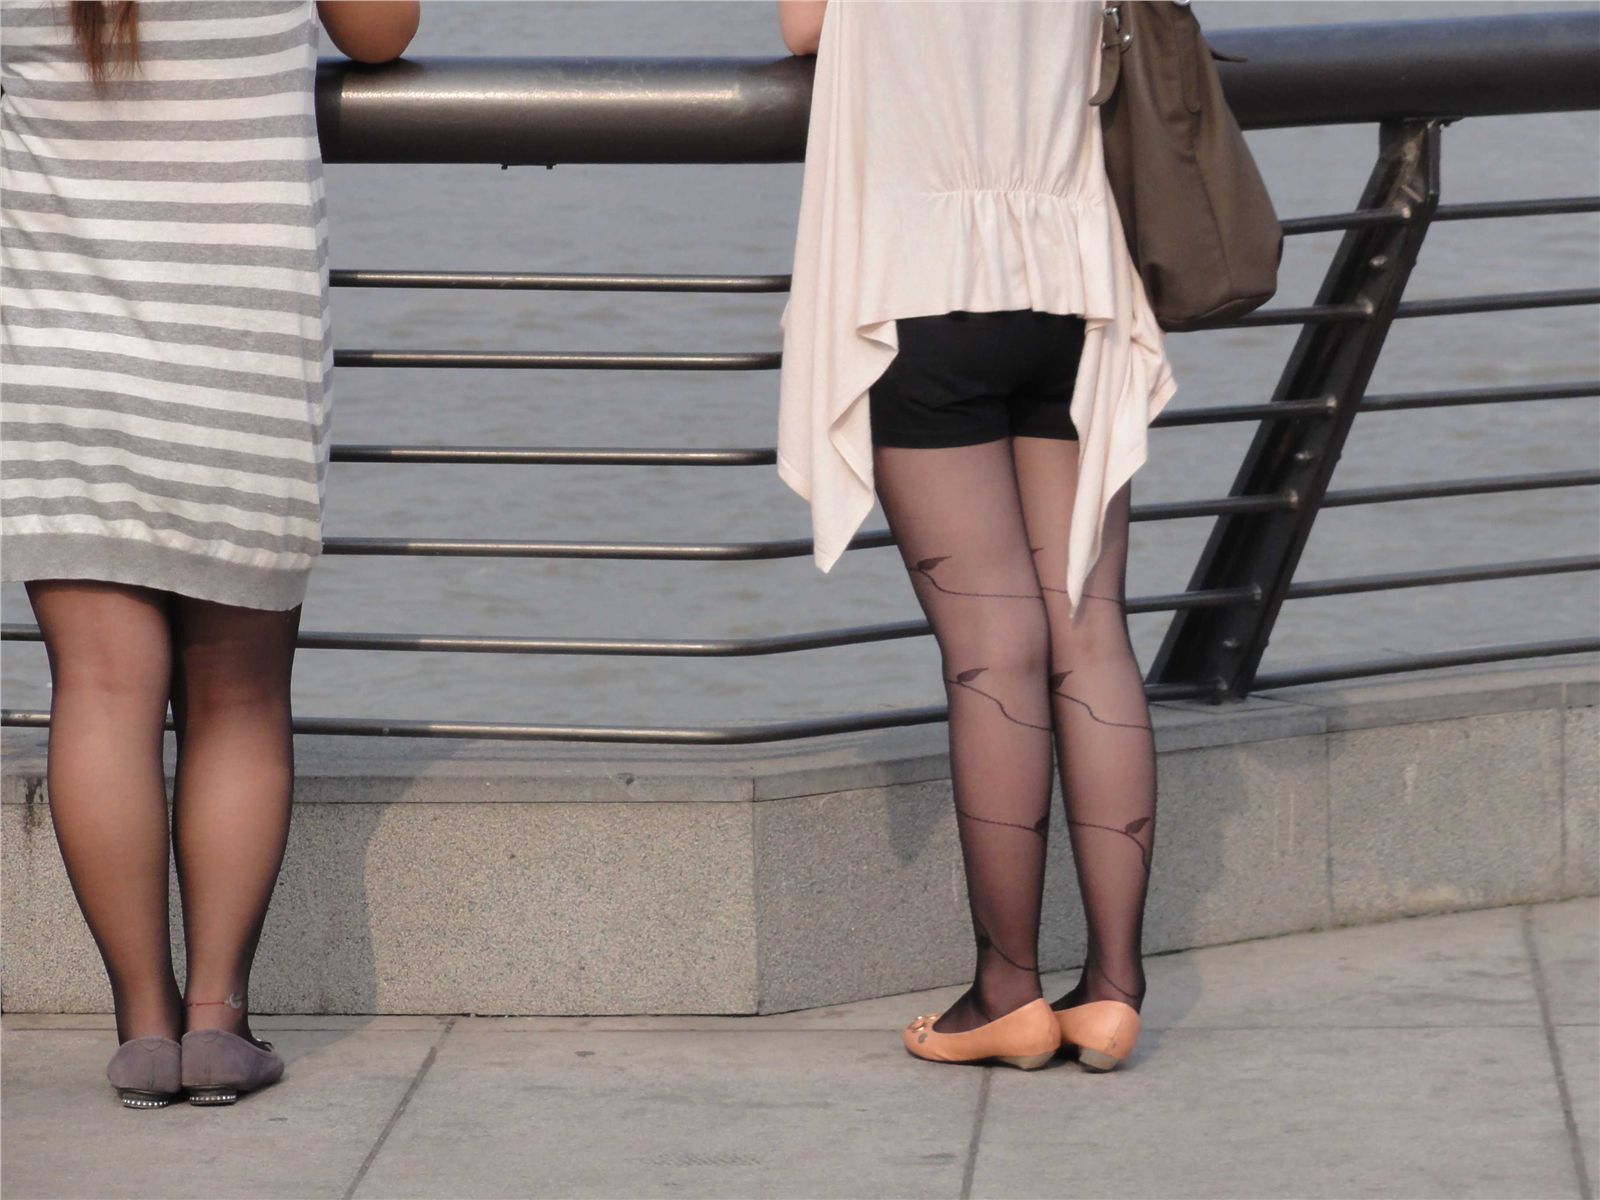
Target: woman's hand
(801,22)
(370,31)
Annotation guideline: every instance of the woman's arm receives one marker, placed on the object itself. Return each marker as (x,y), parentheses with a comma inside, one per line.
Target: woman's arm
(370,31)
(801,22)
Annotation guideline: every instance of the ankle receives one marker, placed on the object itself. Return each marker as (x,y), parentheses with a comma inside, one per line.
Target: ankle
(157,1016)
(129,1031)
(998,1000)
(1090,991)
(229,1014)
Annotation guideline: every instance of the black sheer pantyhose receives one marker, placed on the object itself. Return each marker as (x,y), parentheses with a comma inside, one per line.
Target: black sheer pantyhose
(117,655)
(979,528)
(1104,744)
(231,799)
(957,520)
(110,656)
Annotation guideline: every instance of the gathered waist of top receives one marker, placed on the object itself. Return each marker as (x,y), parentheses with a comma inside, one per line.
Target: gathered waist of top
(1086,197)
(987,249)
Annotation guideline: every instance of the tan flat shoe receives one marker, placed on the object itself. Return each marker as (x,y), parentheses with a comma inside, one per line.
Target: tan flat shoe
(1027,1037)
(1101,1033)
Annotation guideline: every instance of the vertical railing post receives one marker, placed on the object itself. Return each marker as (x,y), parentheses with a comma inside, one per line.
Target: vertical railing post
(1223,646)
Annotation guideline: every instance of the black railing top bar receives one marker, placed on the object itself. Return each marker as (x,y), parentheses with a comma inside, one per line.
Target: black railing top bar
(655,110)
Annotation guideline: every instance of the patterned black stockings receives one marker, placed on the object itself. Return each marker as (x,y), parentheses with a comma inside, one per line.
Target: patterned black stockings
(983,531)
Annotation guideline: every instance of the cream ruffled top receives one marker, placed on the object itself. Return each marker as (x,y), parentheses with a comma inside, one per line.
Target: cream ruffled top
(954,162)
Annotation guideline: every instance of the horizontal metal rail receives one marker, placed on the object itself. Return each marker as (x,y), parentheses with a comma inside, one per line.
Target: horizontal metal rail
(742,456)
(1337,222)
(868,634)
(1326,314)
(584,282)
(1486,485)
(453,643)
(1310,314)
(766,456)
(799,547)
(557,456)
(726,735)
(1400,401)
(556,360)
(1502,302)
(1367,667)
(1479,211)
(1283,410)
(752,551)
(749,551)
(1489,209)
(864,722)
(1353,584)
(591,281)
(588,281)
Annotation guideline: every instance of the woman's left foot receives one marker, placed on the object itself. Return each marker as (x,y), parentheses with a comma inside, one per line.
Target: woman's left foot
(1099,1034)
(1027,1037)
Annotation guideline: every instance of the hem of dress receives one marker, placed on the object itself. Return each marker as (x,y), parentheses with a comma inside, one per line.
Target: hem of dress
(81,556)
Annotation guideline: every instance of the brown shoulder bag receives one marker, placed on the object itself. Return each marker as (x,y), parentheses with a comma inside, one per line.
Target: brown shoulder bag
(1199,222)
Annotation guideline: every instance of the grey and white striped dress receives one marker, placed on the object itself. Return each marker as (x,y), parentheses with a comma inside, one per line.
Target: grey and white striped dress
(164,350)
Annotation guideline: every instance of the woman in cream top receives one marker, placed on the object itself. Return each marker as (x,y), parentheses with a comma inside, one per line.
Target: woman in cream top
(967,338)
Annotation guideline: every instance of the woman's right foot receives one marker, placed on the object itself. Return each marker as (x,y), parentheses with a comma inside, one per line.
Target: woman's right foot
(219,1067)
(146,1072)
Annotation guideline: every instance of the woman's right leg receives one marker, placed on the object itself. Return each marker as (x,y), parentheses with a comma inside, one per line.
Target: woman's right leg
(1105,745)
(232,796)
(957,520)
(109,649)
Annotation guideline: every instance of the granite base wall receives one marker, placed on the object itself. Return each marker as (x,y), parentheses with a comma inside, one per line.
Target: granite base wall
(497,878)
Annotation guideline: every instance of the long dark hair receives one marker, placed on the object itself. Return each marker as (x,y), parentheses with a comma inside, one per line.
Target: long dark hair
(107,33)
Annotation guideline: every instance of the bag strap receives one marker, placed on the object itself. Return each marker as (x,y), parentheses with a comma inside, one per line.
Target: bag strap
(1113,42)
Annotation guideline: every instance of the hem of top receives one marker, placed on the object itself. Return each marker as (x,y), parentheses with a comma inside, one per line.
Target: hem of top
(794,478)
(97,558)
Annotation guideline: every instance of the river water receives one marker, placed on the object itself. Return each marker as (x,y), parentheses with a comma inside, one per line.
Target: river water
(740,219)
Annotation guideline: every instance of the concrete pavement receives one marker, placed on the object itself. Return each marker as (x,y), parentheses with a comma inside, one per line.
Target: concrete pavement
(1449,1056)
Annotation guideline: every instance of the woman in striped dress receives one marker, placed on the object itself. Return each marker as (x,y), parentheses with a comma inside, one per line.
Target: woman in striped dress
(162,459)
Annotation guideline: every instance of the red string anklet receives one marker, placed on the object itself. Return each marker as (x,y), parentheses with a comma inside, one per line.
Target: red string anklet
(233,1001)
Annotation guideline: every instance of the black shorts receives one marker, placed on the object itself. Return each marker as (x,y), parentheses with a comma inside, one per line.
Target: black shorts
(962,378)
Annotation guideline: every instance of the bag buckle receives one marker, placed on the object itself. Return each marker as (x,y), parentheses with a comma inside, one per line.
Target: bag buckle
(1122,40)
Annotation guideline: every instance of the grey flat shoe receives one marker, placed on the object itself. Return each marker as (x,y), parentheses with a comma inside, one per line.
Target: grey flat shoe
(145,1071)
(219,1067)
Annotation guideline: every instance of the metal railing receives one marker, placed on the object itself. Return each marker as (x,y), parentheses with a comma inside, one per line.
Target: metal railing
(1411,78)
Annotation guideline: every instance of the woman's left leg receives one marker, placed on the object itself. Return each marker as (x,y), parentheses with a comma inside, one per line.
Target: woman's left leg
(235,775)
